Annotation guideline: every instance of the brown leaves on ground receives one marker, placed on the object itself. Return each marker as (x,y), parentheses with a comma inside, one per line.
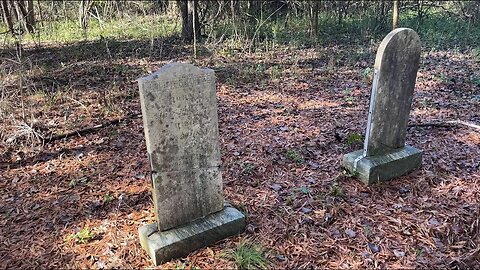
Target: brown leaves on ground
(284,120)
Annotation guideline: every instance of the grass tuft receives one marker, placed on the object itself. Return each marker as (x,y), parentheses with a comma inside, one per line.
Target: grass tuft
(294,156)
(248,256)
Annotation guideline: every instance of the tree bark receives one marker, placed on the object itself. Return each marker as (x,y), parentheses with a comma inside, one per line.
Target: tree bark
(395,14)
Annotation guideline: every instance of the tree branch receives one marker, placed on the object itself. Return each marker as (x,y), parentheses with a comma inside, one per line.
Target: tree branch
(89,129)
(448,124)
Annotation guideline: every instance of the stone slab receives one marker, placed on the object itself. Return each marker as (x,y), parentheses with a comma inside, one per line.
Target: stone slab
(162,246)
(375,169)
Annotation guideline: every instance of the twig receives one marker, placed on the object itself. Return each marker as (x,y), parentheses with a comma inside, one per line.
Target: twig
(454,123)
(88,130)
(78,102)
(260,26)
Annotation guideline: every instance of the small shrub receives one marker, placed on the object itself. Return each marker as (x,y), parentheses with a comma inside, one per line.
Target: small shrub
(275,72)
(348,95)
(304,190)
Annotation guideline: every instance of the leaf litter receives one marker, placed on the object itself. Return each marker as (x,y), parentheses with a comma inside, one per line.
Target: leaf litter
(301,207)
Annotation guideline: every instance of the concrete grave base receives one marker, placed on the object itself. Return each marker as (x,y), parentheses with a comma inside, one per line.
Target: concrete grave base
(374,169)
(180,241)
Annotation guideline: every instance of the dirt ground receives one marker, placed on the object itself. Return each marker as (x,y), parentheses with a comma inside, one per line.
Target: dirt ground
(286,117)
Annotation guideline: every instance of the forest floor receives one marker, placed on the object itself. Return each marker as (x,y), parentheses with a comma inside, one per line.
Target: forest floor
(286,117)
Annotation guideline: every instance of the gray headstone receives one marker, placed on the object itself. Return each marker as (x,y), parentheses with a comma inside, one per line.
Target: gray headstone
(180,120)
(396,68)
(385,155)
(181,129)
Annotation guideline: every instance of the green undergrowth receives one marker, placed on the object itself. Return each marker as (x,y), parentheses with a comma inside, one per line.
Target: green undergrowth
(437,30)
(128,27)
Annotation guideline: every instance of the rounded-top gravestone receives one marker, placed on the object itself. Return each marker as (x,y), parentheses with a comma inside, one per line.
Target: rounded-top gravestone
(385,155)
(396,68)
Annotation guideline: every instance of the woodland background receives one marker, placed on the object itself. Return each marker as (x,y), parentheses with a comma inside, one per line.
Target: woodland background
(293,85)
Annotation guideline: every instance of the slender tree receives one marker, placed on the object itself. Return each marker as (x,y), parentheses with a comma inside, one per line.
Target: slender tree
(7,16)
(189,12)
(30,16)
(314,6)
(395,14)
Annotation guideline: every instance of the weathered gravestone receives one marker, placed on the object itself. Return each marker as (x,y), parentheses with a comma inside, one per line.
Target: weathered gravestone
(385,154)
(180,120)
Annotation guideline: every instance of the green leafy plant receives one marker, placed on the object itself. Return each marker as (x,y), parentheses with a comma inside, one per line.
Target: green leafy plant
(275,72)
(367,74)
(295,156)
(347,173)
(108,198)
(425,102)
(8,215)
(248,256)
(185,265)
(336,190)
(354,138)
(83,236)
(417,251)
(475,80)
(248,169)
(78,181)
(304,190)
(366,230)
(260,68)
(294,194)
(348,95)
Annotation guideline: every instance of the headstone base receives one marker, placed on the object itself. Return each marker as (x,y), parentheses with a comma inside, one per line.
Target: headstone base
(180,241)
(375,169)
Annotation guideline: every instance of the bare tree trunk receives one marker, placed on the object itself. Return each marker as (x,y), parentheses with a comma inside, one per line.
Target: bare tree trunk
(232,8)
(315,19)
(30,18)
(339,10)
(194,27)
(83,15)
(395,14)
(7,16)
(195,23)
(20,14)
(189,12)
(183,8)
